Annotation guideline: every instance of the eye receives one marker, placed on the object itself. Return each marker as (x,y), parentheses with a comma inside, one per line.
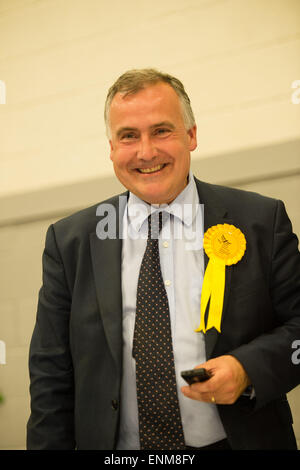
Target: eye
(162,131)
(128,136)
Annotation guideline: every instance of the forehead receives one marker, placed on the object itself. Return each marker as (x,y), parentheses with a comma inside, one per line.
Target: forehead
(156,99)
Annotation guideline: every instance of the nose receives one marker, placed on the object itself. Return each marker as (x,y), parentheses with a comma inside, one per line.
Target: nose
(146,150)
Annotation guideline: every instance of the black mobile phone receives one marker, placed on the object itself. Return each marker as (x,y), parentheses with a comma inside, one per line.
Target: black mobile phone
(196,375)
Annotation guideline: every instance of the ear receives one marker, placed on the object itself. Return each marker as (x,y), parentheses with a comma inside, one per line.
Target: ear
(192,133)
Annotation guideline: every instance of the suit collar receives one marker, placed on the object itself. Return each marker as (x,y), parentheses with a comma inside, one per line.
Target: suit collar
(214,210)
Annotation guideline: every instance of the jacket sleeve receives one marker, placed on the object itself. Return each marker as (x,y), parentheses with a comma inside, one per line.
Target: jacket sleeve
(51,423)
(268,358)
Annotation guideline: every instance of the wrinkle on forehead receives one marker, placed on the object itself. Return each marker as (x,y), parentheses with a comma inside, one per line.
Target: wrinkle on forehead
(156,99)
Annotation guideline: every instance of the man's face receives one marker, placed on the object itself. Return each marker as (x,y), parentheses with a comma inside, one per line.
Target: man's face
(150,147)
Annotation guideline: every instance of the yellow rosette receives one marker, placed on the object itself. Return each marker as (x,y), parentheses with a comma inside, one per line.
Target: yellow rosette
(224,245)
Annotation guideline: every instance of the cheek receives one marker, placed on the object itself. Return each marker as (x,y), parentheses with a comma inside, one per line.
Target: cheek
(176,149)
(182,160)
(119,158)
(122,166)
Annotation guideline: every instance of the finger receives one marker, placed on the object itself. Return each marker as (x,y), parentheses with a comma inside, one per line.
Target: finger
(201,389)
(195,394)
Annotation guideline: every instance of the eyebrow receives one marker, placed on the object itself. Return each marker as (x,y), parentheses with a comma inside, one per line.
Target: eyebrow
(163,123)
(154,126)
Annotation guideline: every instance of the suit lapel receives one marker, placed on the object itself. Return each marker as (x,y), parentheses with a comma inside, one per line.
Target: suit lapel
(106,262)
(214,213)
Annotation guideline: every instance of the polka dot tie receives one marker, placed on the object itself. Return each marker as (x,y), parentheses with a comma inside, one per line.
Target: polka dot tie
(159,415)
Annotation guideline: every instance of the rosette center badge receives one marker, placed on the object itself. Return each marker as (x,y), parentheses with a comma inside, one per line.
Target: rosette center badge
(225,242)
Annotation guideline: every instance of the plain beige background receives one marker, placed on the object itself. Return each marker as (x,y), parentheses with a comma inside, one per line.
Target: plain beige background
(238,60)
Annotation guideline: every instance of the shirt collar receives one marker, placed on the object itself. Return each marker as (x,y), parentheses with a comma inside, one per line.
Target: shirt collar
(184,207)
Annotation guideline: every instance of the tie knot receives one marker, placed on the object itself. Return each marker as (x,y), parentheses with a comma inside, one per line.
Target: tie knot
(154,225)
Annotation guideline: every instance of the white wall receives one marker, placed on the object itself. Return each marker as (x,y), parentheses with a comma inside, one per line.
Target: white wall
(237,59)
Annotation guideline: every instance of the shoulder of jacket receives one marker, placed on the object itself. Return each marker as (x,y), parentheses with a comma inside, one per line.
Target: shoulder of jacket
(238,196)
(85,220)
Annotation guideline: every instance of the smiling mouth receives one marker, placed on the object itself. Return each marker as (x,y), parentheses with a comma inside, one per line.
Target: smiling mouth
(151,170)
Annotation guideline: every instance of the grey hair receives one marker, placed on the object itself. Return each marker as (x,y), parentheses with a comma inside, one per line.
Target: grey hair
(135,80)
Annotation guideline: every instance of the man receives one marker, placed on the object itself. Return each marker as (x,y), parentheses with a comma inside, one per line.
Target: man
(82,360)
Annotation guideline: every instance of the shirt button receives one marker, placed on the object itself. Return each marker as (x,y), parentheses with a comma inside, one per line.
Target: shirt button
(167,283)
(165,244)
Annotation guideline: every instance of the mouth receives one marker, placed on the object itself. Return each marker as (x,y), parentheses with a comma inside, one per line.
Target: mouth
(154,169)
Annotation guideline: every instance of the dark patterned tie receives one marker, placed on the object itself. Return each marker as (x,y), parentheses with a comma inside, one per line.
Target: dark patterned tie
(159,415)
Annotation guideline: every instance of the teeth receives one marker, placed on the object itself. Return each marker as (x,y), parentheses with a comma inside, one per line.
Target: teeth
(151,170)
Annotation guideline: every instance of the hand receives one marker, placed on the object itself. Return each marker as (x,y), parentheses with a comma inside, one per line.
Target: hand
(228,382)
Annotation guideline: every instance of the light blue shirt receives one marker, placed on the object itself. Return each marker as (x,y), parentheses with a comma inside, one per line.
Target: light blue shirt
(182,264)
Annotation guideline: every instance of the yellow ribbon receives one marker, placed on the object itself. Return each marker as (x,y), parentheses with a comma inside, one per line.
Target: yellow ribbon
(224,245)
